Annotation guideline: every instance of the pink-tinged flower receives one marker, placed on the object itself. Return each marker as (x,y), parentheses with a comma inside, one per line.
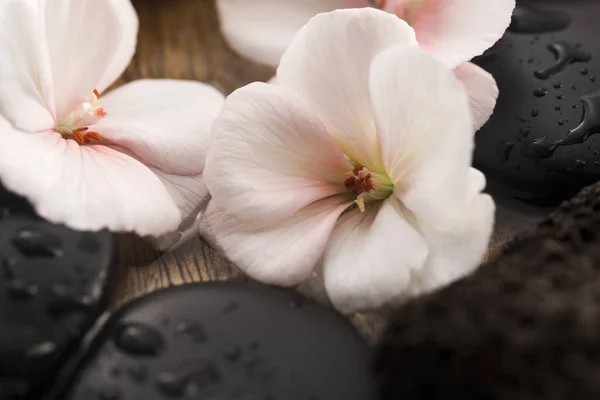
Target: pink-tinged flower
(356,167)
(454,31)
(128,160)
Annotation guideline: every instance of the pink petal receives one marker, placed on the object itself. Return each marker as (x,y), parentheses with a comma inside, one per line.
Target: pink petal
(455,31)
(371,258)
(26,98)
(285,254)
(329,63)
(424,121)
(165,123)
(482,90)
(271,156)
(85,187)
(90,43)
(261,30)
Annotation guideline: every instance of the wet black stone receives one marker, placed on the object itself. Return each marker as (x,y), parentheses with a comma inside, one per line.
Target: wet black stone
(562,44)
(247,353)
(35,257)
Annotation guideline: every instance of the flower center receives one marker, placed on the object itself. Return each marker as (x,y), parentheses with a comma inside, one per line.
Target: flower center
(406,11)
(368,186)
(75,125)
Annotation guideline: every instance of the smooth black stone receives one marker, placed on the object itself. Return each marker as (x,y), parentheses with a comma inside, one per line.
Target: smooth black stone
(272,344)
(36,258)
(547,89)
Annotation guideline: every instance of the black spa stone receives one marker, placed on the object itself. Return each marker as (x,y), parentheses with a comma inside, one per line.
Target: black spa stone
(224,341)
(541,144)
(52,290)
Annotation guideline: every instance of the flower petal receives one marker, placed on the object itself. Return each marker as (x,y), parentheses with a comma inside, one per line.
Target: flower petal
(165,123)
(26,98)
(270,156)
(89,42)
(482,90)
(85,187)
(457,242)
(328,64)
(283,255)
(408,87)
(371,257)
(455,31)
(191,197)
(261,30)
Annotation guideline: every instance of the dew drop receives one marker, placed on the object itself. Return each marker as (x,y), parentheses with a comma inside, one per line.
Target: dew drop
(557,107)
(573,87)
(540,92)
(579,164)
(19,290)
(36,243)
(188,379)
(139,339)
(535,113)
(524,132)
(233,353)
(65,301)
(560,96)
(194,331)
(561,122)
(558,85)
(592,78)
(584,71)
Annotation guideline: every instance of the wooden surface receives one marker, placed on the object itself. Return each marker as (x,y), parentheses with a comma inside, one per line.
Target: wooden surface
(180,39)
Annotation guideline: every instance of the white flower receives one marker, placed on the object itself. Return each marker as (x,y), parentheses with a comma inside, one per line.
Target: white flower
(128,160)
(361,117)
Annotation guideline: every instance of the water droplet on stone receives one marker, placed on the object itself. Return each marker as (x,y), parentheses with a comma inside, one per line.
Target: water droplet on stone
(558,85)
(36,243)
(21,291)
(233,353)
(592,78)
(573,87)
(561,122)
(188,379)
(560,96)
(535,113)
(584,71)
(557,107)
(66,301)
(574,106)
(530,61)
(139,339)
(42,349)
(524,132)
(597,163)
(565,54)
(540,92)
(579,164)
(194,331)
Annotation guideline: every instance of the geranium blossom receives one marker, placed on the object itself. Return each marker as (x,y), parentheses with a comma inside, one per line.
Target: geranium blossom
(128,160)
(454,31)
(355,167)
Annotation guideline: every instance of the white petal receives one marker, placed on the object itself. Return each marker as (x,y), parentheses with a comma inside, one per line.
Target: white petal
(458,242)
(371,257)
(261,30)
(458,30)
(85,187)
(165,123)
(191,197)
(283,255)
(26,98)
(270,156)
(89,42)
(482,90)
(329,63)
(423,118)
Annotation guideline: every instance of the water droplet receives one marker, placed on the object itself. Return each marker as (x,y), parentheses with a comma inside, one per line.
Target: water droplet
(579,164)
(66,301)
(592,78)
(36,243)
(557,107)
(194,331)
(560,96)
(574,106)
(233,353)
(40,350)
(535,113)
(139,339)
(188,379)
(21,291)
(524,132)
(137,372)
(88,243)
(561,122)
(530,61)
(565,54)
(541,92)
(573,87)
(558,85)
(231,306)
(584,71)
(597,163)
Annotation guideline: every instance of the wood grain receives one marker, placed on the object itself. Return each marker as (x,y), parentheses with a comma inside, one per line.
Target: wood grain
(180,39)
